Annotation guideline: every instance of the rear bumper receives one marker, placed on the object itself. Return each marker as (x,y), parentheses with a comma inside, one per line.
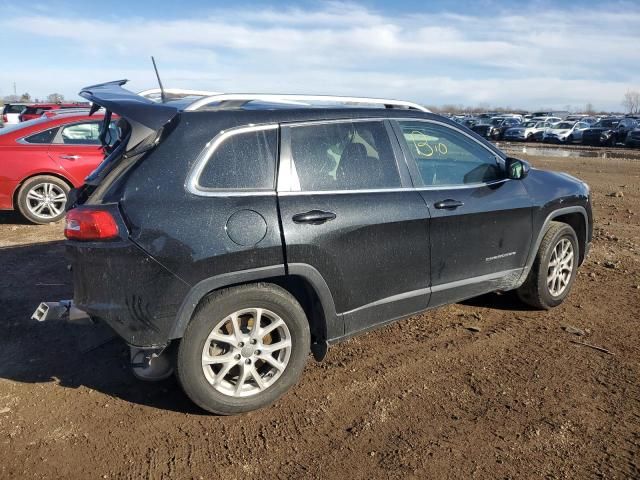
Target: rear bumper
(7,188)
(120,284)
(515,137)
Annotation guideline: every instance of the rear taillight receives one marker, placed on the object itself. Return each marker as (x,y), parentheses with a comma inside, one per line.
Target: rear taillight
(5,119)
(86,225)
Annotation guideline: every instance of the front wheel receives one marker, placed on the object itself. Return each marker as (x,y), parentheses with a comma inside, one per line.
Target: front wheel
(554,268)
(244,348)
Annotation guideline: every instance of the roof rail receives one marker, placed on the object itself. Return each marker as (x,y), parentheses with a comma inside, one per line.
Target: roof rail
(175,93)
(62,111)
(236,100)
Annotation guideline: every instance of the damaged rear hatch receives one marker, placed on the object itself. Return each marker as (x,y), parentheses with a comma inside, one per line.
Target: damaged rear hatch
(142,124)
(110,270)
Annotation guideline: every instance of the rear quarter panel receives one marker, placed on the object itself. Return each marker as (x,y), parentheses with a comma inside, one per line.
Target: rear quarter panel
(19,162)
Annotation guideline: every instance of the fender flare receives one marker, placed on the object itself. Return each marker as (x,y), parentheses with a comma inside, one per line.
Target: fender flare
(533,251)
(333,322)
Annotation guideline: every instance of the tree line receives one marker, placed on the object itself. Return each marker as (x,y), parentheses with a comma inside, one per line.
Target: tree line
(26,98)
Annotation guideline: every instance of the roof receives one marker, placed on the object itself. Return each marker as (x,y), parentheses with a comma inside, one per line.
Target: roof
(153,114)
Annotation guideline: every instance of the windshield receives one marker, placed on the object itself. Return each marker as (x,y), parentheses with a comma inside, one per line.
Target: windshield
(530,124)
(563,126)
(607,123)
(496,121)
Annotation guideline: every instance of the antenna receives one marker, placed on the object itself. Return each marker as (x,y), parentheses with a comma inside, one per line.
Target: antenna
(162,97)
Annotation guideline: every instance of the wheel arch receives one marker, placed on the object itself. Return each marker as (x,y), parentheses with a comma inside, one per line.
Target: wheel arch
(302,281)
(577,221)
(575,216)
(16,191)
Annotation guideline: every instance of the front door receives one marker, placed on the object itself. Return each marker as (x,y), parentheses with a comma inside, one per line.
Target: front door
(480,221)
(349,212)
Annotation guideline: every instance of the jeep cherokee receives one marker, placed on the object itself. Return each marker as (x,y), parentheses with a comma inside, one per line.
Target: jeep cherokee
(226,236)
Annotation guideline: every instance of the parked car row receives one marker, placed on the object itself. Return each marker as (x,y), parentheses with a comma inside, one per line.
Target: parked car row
(43,159)
(603,131)
(13,113)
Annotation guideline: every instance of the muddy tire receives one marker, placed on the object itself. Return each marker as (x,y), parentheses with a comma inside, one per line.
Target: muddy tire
(43,199)
(554,268)
(243,349)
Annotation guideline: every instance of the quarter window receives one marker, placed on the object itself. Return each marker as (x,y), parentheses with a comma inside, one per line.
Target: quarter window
(447,157)
(242,161)
(42,137)
(344,156)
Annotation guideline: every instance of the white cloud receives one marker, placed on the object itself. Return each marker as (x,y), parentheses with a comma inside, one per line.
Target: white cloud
(529,58)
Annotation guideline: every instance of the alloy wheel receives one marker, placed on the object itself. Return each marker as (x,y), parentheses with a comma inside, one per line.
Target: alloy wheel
(46,200)
(560,267)
(246,352)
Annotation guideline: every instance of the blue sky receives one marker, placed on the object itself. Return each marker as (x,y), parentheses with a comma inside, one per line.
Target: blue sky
(537,54)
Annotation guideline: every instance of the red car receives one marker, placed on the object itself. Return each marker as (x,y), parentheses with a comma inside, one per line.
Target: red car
(42,159)
(35,110)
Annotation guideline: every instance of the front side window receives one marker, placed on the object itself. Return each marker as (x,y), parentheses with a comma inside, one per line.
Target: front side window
(445,156)
(81,134)
(344,156)
(242,161)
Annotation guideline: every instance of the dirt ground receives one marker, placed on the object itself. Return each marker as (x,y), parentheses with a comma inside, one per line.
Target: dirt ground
(424,398)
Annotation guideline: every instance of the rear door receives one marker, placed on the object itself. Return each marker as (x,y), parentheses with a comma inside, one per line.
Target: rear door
(480,221)
(76,148)
(349,212)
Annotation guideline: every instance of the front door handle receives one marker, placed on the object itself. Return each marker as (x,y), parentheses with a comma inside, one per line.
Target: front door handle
(69,157)
(314,217)
(448,204)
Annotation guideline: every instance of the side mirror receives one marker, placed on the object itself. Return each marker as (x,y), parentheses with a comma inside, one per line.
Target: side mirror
(517,169)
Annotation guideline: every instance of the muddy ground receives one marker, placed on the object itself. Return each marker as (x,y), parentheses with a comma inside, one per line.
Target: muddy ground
(424,398)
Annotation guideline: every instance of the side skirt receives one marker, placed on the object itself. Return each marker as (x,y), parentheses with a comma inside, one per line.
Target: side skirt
(448,293)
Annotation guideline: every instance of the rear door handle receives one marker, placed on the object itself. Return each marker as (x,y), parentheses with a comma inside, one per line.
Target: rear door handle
(70,157)
(314,217)
(448,204)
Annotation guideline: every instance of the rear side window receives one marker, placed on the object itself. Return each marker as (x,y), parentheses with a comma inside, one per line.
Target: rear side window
(81,134)
(35,110)
(243,161)
(344,156)
(13,109)
(445,156)
(42,137)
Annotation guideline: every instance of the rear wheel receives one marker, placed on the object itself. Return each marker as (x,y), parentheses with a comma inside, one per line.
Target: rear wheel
(244,347)
(42,199)
(554,268)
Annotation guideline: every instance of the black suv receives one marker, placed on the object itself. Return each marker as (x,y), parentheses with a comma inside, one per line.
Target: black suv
(233,234)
